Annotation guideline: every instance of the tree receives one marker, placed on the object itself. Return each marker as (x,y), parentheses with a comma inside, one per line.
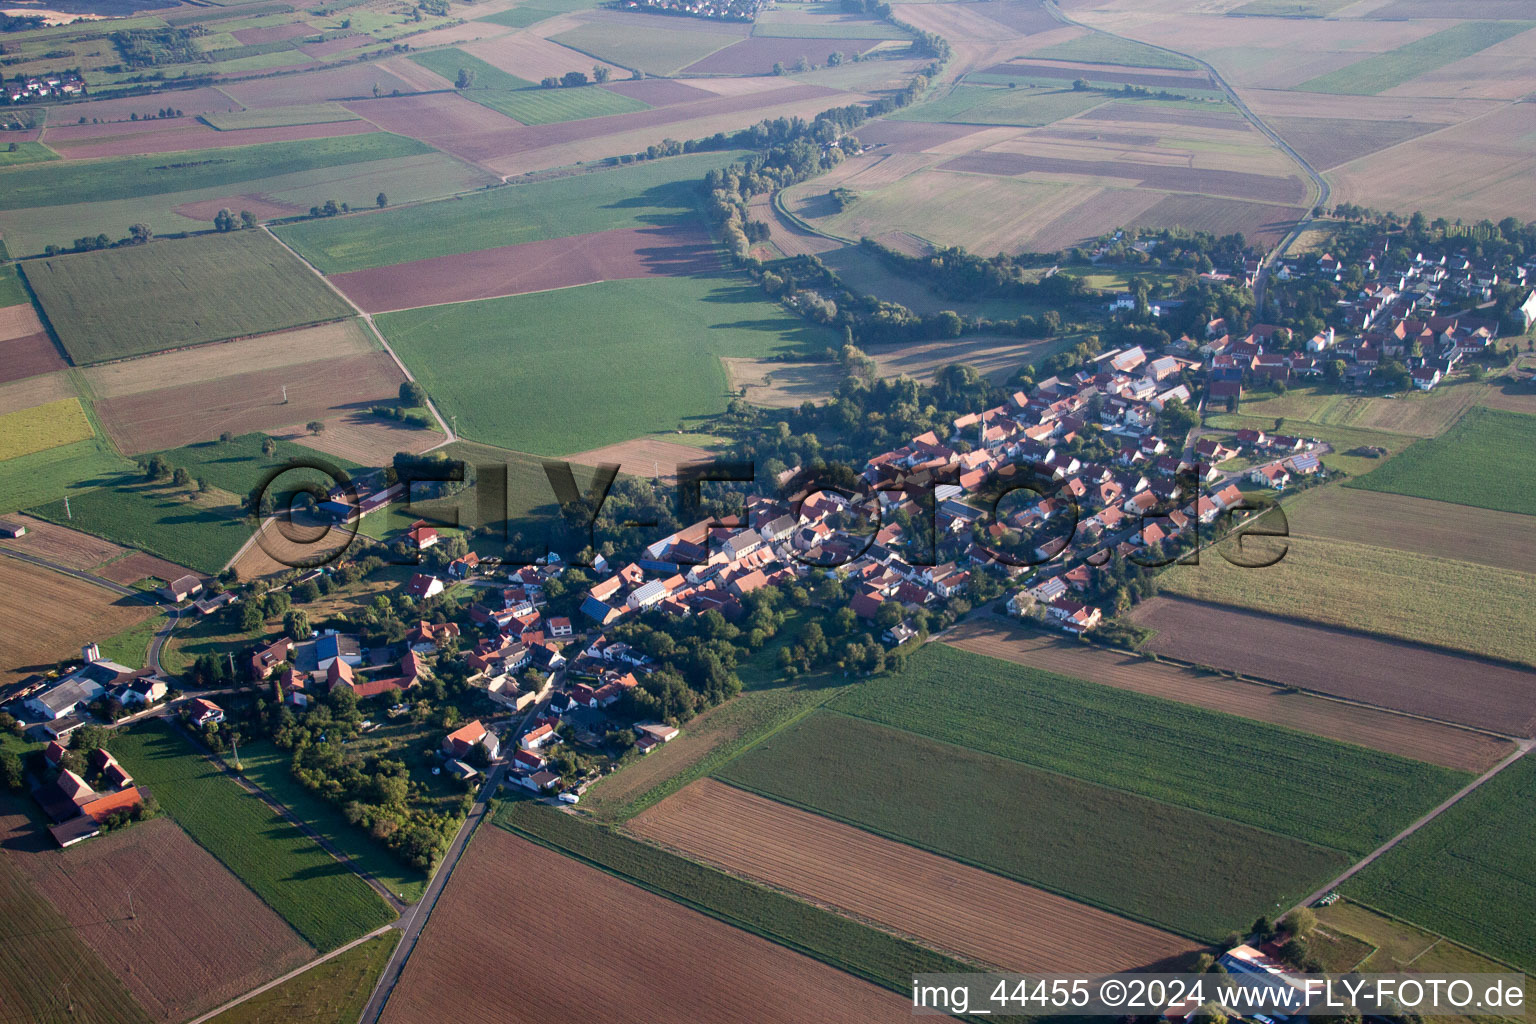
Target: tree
(251,618)
(140,233)
(181,478)
(381,200)
(1080,85)
(571,79)
(224,221)
(11,774)
(158,468)
(465,80)
(314,426)
(377,90)
(268,447)
(412,394)
(600,73)
(550,82)
(835,59)
(247,219)
(778,68)
(1300,922)
(296,624)
(1335,370)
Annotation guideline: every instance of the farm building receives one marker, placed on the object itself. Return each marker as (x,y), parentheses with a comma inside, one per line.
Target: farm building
(181,588)
(423,586)
(10,528)
(78,688)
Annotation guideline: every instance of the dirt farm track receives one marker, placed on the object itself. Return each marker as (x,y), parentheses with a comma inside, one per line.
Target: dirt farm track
(620,958)
(965,910)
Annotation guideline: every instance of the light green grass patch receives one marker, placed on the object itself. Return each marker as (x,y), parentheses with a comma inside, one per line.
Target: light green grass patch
(42,427)
(12,292)
(25,153)
(523,100)
(280,117)
(519,17)
(1099,48)
(49,476)
(830,30)
(662,50)
(1487,460)
(1384,70)
(986,104)
(613,361)
(330,993)
(1195,874)
(163,295)
(324,901)
(131,646)
(651,194)
(1290,8)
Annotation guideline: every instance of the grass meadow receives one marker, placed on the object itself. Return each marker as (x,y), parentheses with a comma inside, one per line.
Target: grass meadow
(1099,48)
(281,117)
(1384,70)
(1346,797)
(1071,837)
(1488,460)
(989,104)
(48,476)
(869,953)
(1469,874)
(26,153)
(661,50)
(612,361)
(12,292)
(27,431)
(324,901)
(330,993)
(522,100)
(164,295)
(237,465)
(654,193)
(1343,438)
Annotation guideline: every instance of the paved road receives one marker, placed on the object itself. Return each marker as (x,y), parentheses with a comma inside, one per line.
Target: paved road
(1370,858)
(413,921)
(1320,201)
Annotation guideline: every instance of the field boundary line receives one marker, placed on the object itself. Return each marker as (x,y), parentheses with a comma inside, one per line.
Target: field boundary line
(1524,748)
(292,974)
(368,319)
(1438,937)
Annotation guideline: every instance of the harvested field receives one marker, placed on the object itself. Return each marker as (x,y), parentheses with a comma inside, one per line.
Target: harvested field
(758,54)
(616,255)
(1444,745)
(29,355)
(212,362)
(1150,78)
(281,546)
(1259,223)
(1026,18)
(341,44)
(243,402)
(658,92)
(69,548)
(141,566)
(261,208)
(498,895)
(29,392)
(86,141)
(778,385)
(18,322)
(1500,539)
(61,612)
(997,357)
(189,101)
(912,136)
(787,236)
(1327,142)
(533,58)
(446,120)
(645,457)
(1388,673)
(364,439)
(273,33)
(353,82)
(940,902)
(197,937)
(1506,395)
(1238,184)
(1152,113)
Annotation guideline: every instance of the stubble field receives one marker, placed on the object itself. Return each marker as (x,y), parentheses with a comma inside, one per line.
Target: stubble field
(61,613)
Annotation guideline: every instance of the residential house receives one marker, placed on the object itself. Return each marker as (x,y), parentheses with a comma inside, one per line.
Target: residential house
(204,712)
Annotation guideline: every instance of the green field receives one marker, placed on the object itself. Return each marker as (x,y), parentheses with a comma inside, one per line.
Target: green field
(403,179)
(200,531)
(867,952)
(330,993)
(662,50)
(12,292)
(613,361)
(279,117)
(987,104)
(1194,874)
(1384,70)
(1329,793)
(324,901)
(44,477)
(238,465)
(268,767)
(523,100)
(42,427)
(1342,438)
(831,31)
(131,646)
(654,193)
(1471,873)
(1379,590)
(85,181)
(1487,460)
(46,972)
(148,298)
(1290,8)
(518,17)
(26,153)
(1100,48)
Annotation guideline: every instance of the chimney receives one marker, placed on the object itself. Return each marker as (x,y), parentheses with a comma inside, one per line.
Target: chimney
(90,653)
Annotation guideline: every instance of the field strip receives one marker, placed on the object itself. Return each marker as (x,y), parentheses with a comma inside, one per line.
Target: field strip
(292,974)
(940,902)
(1427,135)
(1374,855)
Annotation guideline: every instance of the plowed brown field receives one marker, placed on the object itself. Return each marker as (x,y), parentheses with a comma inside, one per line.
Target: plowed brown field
(151,421)
(85,141)
(60,614)
(942,903)
(646,456)
(28,392)
(27,356)
(142,565)
(366,440)
(280,548)
(634,956)
(1351,723)
(1388,673)
(69,548)
(192,937)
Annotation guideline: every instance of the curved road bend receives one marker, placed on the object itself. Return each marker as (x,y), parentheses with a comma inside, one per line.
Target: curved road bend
(1318,183)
